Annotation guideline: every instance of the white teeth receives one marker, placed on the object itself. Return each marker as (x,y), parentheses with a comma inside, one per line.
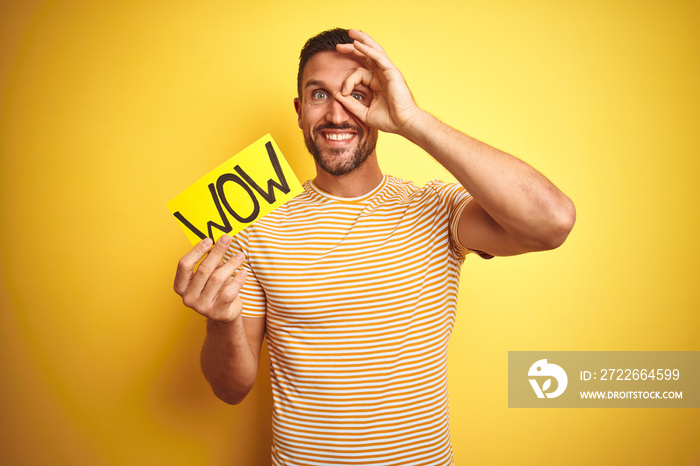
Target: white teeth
(337,136)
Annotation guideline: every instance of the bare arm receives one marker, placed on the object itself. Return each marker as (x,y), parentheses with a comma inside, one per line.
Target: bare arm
(231,352)
(515,208)
(231,356)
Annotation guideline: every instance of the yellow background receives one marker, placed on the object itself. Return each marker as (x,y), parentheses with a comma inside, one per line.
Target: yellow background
(107,109)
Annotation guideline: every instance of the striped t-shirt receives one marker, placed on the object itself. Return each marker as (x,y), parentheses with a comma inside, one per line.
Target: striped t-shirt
(360,297)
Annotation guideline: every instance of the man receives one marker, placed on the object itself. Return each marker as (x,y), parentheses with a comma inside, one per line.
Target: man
(354,282)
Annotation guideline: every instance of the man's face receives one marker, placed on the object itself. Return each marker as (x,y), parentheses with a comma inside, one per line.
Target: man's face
(338,141)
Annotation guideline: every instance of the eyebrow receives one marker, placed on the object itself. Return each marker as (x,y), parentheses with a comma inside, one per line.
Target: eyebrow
(314,82)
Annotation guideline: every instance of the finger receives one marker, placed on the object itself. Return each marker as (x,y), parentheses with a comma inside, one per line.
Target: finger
(211,262)
(185,267)
(359,76)
(220,277)
(353,106)
(377,55)
(364,38)
(349,49)
(229,292)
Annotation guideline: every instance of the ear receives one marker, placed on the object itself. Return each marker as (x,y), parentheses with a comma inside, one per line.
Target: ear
(297,108)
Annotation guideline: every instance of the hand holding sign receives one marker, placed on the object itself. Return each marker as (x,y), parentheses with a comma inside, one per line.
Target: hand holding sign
(222,203)
(213,289)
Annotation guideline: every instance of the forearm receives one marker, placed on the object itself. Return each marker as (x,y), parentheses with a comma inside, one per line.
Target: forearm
(514,194)
(228,361)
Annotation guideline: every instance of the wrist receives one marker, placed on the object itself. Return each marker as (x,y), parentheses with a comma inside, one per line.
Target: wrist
(224,326)
(416,126)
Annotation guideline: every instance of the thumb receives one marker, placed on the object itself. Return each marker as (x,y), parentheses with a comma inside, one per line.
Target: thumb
(353,106)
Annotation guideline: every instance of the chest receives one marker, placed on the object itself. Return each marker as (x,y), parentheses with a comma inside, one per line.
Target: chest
(345,261)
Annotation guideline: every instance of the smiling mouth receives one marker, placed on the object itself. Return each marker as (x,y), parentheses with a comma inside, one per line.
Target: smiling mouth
(338,136)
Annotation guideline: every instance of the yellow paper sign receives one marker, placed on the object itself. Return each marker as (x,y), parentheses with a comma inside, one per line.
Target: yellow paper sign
(245,188)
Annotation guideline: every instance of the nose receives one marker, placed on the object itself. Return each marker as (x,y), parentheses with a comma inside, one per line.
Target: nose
(337,114)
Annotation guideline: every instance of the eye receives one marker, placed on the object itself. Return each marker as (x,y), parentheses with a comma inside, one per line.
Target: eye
(319,95)
(357,96)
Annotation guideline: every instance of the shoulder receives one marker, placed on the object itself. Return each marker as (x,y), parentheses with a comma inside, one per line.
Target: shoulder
(399,188)
(306,200)
(433,190)
(298,213)
(448,192)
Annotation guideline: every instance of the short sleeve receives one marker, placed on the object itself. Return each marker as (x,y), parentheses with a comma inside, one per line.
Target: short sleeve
(252,294)
(454,198)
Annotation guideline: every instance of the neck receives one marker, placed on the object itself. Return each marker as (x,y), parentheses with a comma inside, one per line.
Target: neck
(357,183)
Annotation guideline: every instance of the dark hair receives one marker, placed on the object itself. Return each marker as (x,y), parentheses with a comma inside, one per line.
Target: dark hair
(326,40)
